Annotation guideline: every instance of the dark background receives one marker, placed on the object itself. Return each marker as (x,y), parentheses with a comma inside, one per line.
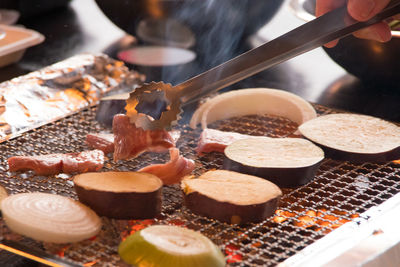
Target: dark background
(80,26)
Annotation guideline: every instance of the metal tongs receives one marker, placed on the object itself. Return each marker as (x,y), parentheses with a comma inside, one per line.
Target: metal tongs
(157,105)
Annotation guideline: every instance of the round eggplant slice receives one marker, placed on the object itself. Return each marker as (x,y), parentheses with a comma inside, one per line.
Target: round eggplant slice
(353,137)
(231,197)
(120,195)
(287,162)
(170,246)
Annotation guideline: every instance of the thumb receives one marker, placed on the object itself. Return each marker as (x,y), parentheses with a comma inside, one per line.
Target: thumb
(365,9)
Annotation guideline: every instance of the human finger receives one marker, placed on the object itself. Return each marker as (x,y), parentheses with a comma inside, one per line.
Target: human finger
(324,6)
(378,32)
(363,10)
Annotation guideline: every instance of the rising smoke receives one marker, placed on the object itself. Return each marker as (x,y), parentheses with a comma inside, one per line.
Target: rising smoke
(218,26)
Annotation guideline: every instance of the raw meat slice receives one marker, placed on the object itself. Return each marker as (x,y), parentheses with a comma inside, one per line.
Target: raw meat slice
(102,141)
(86,161)
(173,171)
(56,163)
(130,142)
(216,140)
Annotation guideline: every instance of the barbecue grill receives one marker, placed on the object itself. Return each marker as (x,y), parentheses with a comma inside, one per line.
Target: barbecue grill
(326,221)
(341,192)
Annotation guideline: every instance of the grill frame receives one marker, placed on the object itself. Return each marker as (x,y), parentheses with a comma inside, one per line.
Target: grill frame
(344,189)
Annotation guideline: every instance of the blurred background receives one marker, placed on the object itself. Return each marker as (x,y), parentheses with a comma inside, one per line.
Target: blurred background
(172,40)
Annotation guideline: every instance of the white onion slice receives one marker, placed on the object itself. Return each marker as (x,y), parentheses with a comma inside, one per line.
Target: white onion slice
(49,218)
(253,101)
(3,194)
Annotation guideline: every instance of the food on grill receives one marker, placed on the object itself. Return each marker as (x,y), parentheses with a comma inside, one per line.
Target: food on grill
(130,141)
(170,246)
(120,195)
(216,140)
(231,197)
(3,194)
(173,171)
(49,218)
(102,141)
(354,137)
(254,101)
(287,162)
(110,106)
(86,161)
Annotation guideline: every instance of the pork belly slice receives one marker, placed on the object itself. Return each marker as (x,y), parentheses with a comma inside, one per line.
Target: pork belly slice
(130,142)
(79,162)
(102,141)
(173,171)
(216,140)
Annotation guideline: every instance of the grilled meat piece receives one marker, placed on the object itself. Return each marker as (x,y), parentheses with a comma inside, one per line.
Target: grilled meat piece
(102,141)
(51,164)
(173,171)
(215,140)
(130,142)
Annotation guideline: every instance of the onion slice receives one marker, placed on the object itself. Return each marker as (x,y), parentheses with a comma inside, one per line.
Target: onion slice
(49,218)
(170,246)
(3,194)
(253,101)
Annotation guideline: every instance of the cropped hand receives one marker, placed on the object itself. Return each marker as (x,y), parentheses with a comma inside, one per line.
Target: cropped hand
(360,10)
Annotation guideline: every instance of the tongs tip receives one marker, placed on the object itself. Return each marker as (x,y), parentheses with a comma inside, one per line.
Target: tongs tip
(154,105)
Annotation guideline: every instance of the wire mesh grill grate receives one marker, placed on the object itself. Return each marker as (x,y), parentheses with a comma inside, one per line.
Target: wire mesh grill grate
(339,193)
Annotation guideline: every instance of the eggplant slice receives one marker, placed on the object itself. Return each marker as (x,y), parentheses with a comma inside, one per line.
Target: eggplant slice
(120,195)
(353,137)
(287,162)
(231,197)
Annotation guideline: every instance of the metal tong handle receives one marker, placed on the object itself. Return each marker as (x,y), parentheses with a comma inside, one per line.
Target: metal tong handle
(330,26)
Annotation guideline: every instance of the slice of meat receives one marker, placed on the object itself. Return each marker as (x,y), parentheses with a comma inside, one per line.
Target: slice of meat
(105,141)
(86,161)
(216,140)
(102,141)
(130,142)
(51,164)
(173,171)
(41,165)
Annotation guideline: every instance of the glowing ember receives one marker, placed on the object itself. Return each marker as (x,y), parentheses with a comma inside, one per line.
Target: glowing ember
(136,225)
(397,161)
(61,252)
(257,244)
(282,215)
(87,264)
(306,220)
(148,222)
(315,219)
(232,253)
(177,222)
